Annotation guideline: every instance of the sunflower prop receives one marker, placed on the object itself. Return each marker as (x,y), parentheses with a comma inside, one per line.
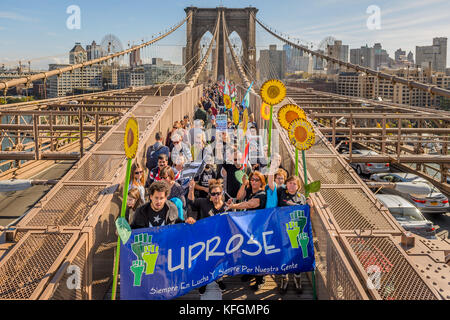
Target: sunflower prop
(131,138)
(227,101)
(236,115)
(131,142)
(245,121)
(273,92)
(301,134)
(265,111)
(289,113)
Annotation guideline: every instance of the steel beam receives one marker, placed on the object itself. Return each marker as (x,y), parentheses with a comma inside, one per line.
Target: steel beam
(400,159)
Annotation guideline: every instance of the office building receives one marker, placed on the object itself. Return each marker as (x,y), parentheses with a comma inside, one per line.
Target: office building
(436,54)
(337,51)
(94,51)
(272,63)
(135,58)
(77,54)
(359,84)
(160,71)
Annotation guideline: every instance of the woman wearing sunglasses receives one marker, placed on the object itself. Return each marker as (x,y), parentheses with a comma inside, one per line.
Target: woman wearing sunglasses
(254,196)
(137,179)
(206,207)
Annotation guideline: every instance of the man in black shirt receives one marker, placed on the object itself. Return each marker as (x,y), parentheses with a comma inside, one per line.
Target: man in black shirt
(158,211)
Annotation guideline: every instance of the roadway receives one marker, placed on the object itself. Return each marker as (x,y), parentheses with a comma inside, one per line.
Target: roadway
(15,204)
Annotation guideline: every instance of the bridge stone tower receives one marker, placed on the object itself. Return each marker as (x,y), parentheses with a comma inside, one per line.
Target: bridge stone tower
(204,19)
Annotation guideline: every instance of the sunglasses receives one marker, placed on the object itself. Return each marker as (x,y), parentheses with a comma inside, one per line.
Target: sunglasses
(138,172)
(214,194)
(176,142)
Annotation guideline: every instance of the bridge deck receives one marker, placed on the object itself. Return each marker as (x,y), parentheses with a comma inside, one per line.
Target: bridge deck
(237,290)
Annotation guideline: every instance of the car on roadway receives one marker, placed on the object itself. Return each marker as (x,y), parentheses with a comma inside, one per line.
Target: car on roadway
(420,192)
(408,216)
(367,168)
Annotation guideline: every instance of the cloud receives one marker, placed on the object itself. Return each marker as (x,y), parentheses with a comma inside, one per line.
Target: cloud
(14,16)
(359,21)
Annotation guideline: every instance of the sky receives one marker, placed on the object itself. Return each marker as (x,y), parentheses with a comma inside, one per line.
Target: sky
(37,30)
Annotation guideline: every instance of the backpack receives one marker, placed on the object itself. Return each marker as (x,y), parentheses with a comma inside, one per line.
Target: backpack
(152,156)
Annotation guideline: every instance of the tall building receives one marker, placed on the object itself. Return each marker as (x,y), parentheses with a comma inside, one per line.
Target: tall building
(110,76)
(381,57)
(161,70)
(400,55)
(294,59)
(135,58)
(272,63)
(131,77)
(337,51)
(359,84)
(77,54)
(305,63)
(436,54)
(94,51)
(318,62)
(364,56)
(410,57)
(81,80)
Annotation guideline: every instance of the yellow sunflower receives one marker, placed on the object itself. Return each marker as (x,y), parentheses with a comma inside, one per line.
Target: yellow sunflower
(131,138)
(245,120)
(265,111)
(301,134)
(289,113)
(236,115)
(227,101)
(273,92)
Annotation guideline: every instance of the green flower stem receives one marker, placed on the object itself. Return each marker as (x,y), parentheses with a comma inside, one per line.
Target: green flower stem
(122,214)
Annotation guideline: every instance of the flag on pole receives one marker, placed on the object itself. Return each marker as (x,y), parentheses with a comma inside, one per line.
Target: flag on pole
(244,159)
(246,100)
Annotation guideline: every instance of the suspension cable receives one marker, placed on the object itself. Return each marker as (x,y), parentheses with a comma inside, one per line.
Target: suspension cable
(23,80)
(194,78)
(197,55)
(233,54)
(432,89)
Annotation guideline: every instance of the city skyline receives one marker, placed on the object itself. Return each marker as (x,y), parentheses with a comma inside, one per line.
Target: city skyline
(32,30)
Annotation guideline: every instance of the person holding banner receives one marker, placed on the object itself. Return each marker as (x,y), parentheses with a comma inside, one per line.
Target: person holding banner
(288,195)
(254,198)
(158,211)
(206,207)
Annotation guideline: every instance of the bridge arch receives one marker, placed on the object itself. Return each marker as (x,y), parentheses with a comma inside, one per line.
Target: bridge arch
(242,21)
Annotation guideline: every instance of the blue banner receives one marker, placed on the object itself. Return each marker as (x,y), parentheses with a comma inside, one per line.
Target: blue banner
(167,262)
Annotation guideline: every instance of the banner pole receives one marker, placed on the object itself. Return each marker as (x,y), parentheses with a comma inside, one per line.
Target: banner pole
(313,275)
(296,161)
(122,215)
